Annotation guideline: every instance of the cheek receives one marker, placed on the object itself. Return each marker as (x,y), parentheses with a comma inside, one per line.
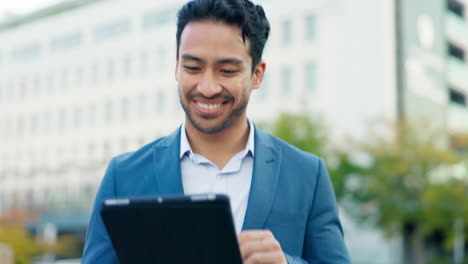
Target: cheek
(239,87)
(186,82)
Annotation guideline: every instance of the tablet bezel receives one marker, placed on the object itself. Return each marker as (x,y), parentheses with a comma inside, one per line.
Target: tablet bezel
(172,229)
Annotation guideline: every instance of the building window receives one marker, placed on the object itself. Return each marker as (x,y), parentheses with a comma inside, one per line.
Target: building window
(161,100)
(91,150)
(36,85)
(112,30)
(20,126)
(310,77)
(77,117)
(108,111)
(79,77)
(47,121)
(25,53)
(50,83)
(64,81)
(286,32)
(62,119)
(74,153)
(23,89)
(9,93)
(161,65)
(142,106)
(92,114)
(456,51)
(106,150)
(286,81)
(144,60)
(158,18)
(110,70)
(34,124)
(8,128)
(94,73)
(457,97)
(127,66)
(125,109)
(310,27)
(66,42)
(456,7)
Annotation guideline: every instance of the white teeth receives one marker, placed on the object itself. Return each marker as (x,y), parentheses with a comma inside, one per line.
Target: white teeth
(209,106)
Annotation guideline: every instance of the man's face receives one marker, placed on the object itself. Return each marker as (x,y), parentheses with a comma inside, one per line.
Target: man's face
(215,75)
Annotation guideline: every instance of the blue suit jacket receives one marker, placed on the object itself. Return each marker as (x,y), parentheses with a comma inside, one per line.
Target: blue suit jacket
(291,195)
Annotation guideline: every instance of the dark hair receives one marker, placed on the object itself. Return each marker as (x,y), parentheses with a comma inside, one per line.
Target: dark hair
(250,19)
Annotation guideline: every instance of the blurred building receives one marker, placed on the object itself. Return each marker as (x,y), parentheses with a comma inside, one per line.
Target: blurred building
(84,80)
(432,70)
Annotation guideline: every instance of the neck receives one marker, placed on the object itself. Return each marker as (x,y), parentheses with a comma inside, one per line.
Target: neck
(219,147)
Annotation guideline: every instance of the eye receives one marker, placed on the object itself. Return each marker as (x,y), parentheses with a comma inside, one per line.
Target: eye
(229,72)
(191,68)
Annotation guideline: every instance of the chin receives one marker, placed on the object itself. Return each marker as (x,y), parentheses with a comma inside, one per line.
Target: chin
(210,127)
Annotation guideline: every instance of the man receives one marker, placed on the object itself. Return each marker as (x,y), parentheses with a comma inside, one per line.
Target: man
(281,197)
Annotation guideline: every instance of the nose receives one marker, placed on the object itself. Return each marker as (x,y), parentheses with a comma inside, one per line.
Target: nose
(208,86)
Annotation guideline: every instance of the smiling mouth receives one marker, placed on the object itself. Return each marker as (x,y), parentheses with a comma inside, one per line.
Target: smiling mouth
(209,109)
(208,106)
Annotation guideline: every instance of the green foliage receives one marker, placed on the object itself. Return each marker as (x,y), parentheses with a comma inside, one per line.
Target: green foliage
(445,202)
(23,245)
(66,246)
(408,181)
(398,175)
(341,169)
(300,131)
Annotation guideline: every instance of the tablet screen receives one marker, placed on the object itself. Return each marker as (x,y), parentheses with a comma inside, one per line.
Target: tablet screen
(172,229)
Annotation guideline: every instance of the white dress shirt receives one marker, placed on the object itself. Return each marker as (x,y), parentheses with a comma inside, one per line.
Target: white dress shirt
(199,175)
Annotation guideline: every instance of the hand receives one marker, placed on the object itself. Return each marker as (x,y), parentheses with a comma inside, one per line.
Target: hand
(260,246)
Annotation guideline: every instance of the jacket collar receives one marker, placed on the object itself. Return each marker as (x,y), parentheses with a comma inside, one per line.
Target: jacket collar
(267,160)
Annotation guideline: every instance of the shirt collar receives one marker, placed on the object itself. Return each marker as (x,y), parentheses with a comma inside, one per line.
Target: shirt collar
(186,149)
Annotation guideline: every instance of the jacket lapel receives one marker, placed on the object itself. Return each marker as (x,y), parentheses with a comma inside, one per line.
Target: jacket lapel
(267,160)
(167,165)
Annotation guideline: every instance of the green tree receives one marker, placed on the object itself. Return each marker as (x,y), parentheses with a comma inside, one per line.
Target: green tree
(449,200)
(402,188)
(300,131)
(397,178)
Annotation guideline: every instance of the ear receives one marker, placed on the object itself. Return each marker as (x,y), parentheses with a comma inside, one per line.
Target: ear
(258,73)
(176,69)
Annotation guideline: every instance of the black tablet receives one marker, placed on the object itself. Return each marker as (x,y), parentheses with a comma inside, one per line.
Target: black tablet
(172,229)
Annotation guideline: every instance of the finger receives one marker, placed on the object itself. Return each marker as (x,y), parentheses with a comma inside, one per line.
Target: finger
(250,247)
(253,235)
(273,257)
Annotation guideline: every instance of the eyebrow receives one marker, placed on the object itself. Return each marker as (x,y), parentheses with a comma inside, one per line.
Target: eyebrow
(190,57)
(234,61)
(230,61)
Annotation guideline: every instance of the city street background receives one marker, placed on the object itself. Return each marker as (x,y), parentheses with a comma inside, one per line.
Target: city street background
(376,87)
